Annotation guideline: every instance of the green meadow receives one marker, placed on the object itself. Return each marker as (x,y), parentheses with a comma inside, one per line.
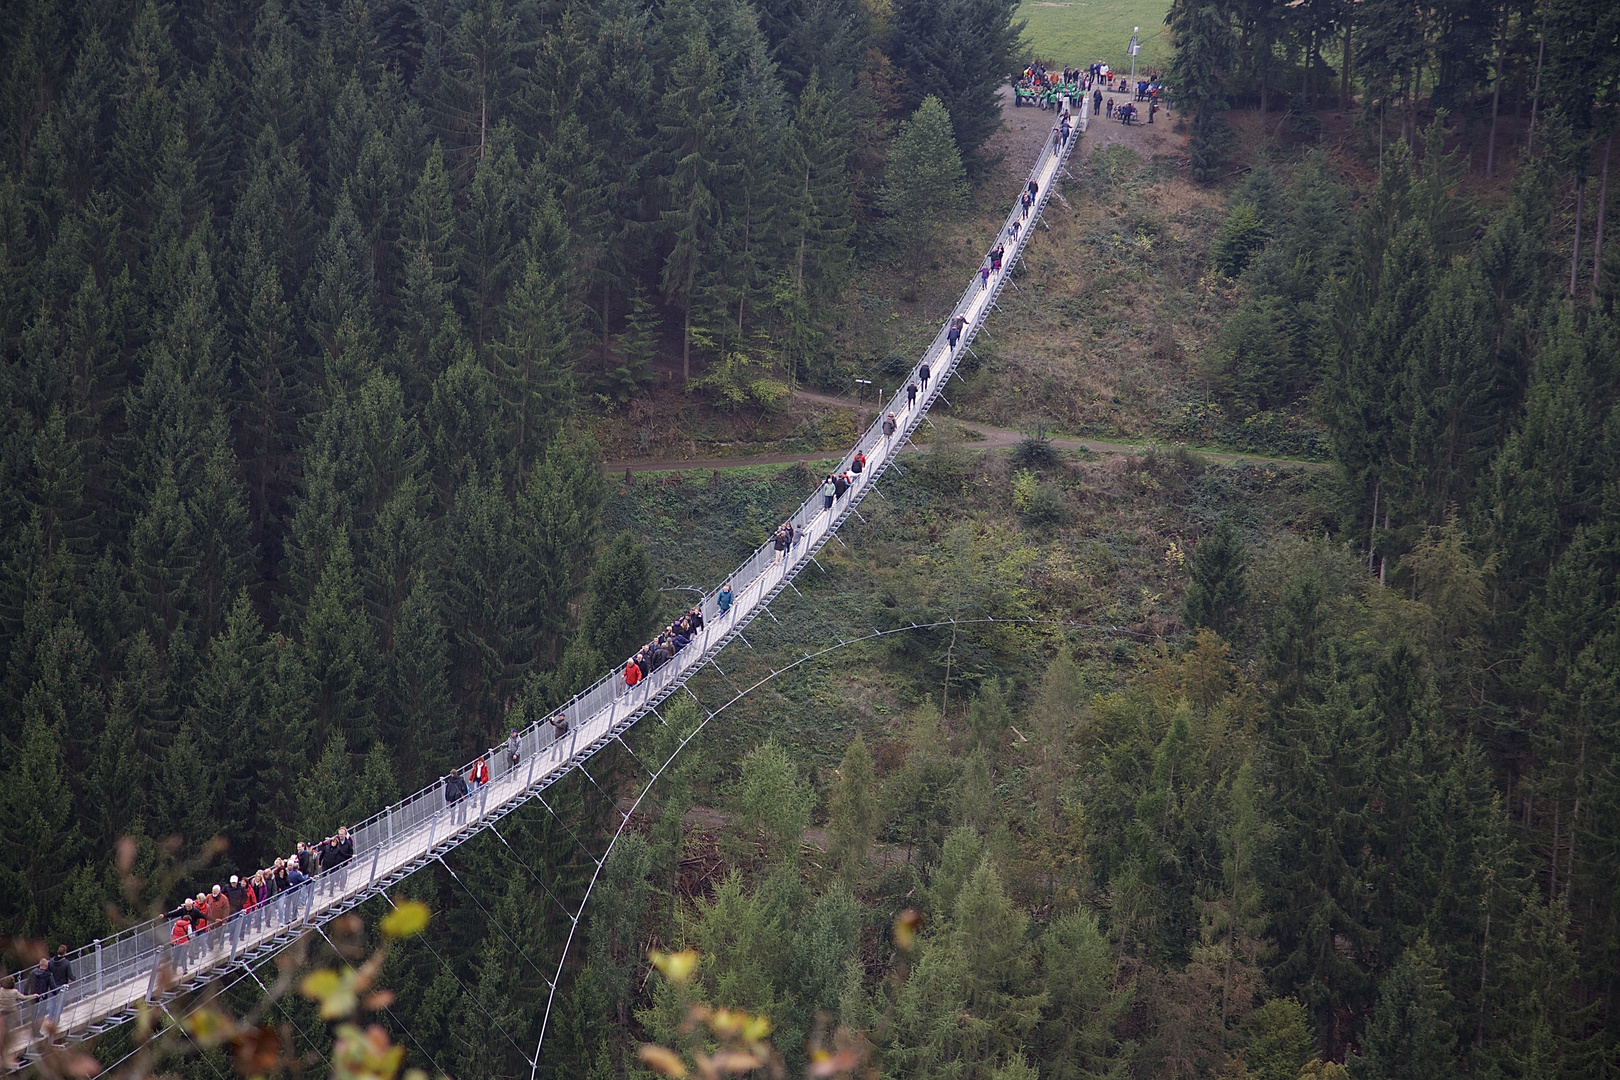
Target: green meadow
(1088,31)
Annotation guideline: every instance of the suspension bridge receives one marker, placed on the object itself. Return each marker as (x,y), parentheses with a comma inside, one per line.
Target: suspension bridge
(140,968)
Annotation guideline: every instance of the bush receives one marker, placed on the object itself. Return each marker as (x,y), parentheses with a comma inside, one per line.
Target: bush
(1035,450)
(1037,502)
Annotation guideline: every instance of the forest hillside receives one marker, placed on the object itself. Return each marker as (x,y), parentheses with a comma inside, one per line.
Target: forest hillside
(1291,750)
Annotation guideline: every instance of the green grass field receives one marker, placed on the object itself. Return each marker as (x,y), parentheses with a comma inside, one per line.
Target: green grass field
(1087,31)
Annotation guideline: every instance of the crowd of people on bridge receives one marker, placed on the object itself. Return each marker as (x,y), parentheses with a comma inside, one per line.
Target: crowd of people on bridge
(663,648)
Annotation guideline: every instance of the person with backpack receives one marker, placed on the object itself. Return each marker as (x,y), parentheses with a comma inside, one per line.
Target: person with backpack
(857,464)
(455,793)
(888,427)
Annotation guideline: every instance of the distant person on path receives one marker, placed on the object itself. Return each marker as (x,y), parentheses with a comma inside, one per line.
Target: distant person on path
(923,373)
(513,749)
(996,255)
(984,275)
(480,772)
(1110,108)
(455,791)
(723,600)
(1153,107)
(911,395)
(829,492)
(1025,201)
(1012,231)
(857,464)
(888,427)
(632,673)
(559,726)
(61,975)
(840,485)
(953,335)
(780,542)
(1096,102)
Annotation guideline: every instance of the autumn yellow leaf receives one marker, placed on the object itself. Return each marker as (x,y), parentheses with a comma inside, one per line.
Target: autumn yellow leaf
(406,920)
(676,967)
(662,1060)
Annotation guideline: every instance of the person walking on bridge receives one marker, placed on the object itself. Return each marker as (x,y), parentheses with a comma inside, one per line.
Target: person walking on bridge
(911,395)
(829,492)
(722,602)
(923,373)
(953,335)
(888,427)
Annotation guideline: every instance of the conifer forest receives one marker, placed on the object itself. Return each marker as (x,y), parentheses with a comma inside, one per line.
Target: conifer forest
(1292,751)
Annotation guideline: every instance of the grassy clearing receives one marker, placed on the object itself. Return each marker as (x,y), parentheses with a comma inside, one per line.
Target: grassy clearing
(1089,31)
(1088,547)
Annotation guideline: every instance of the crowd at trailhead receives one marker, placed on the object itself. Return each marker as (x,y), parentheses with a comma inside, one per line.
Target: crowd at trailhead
(1056,91)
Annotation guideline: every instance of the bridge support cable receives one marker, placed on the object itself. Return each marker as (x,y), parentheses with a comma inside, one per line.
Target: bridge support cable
(402,838)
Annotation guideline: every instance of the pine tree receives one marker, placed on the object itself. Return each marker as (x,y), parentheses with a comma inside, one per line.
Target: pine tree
(620,599)
(928,48)
(561,507)
(1409,1036)
(853,813)
(425,236)
(770,806)
(41,843)
(532,364)
(1218,593)
(1077,972)
(485,234)
(691,130)
(419,724)
(1201,71)
(927,185)
(340,653)
(341,296)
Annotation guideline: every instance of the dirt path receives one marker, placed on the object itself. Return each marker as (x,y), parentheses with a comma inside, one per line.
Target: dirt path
(981,436)
(1024,130)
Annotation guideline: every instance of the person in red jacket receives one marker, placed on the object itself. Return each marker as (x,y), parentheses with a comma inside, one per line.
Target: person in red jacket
(480,771)
(632,672)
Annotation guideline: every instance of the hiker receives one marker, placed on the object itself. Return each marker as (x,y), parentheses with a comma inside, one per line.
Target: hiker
(780,541)
(858,464)
(480,772)
(840,485)
(911,395)
(953,335)
(723,600)
(1110,108)
(632,673)
(888,427)
(984,275)
(513,749)
(996,255)
(829,489)
(923,373)
(559,726)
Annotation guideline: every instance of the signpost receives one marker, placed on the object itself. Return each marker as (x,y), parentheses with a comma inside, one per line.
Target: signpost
(1135,48)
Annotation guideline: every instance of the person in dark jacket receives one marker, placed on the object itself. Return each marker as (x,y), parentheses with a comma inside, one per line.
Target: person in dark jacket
(306,859)
(911,395)
(888,426)
(840,485)
(40,982)
(952,336)
(61,971)
(235,893)
(923,373)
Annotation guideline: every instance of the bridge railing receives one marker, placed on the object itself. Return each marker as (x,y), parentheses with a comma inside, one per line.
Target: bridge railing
(133,953)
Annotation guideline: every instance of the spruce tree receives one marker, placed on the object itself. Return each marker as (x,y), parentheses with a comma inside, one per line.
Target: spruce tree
(419,724)
(1218,592)
(853,820)
(532,364)
(620,599)
(1409,1036)
(42,843)
(692,131)
(927,185)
